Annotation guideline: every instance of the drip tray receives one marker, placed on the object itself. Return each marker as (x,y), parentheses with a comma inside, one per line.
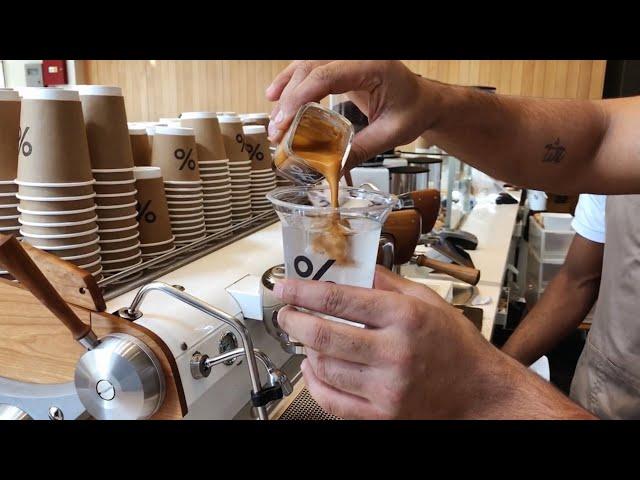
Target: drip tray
(300,405)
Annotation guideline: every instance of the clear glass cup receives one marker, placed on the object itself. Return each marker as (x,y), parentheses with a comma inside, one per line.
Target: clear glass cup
(338,245)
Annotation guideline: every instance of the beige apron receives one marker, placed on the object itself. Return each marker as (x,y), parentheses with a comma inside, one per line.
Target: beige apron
(607,377)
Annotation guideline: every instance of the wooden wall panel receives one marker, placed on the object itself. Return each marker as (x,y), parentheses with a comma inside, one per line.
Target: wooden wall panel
(164,88)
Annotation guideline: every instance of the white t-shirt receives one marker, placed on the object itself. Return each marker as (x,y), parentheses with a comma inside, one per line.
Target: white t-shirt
(589,219)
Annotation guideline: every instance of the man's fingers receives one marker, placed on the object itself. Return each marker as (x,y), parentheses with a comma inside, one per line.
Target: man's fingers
(278,84)
(363,305)
(349,377)
(390,282)
(335,402)
(328,337)
(375,138)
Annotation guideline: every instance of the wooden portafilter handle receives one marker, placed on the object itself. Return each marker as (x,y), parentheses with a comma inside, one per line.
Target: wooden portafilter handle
(466,274)
(426,202)
(19,264)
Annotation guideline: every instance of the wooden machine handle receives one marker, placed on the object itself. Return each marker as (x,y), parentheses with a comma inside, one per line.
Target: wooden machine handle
(466,274)
(427,203)
(19,264)
(75,285)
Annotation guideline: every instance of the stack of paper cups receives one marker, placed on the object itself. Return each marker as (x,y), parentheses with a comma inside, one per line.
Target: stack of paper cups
(174,151)
(239,166)
(214,170)
(57,207)
(156,238)
(9,132)
(263,179)
(112,166)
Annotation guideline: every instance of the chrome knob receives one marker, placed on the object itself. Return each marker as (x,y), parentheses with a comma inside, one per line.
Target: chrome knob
(121,379)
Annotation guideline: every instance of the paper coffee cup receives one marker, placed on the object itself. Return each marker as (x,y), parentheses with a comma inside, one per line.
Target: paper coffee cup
(116,243)
(174,151)
(214,163)
(205,168)
(182,205)
(119,266)
(177,190)
(8,187)
(51,191)
(257,144)
(56,218)
(182,210)
(9,132)
(115,211)
(56,204)
(106,124)
(140,146)
(56,242)
(153,210)
(190,237)
(53,143)
(11,221)
(119,186)
(110,200)
(116,233)
(116,247)
(113,175)
(233,137)
(208,135)
(84,258)
(9,211)
(156,247)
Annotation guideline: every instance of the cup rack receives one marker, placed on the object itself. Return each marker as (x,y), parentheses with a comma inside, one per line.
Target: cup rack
(144,272)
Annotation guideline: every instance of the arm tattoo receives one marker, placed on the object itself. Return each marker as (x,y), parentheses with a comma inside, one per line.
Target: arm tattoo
(554,152)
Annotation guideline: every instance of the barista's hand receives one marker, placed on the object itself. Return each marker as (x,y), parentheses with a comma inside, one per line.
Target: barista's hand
(418,359)
(397,102)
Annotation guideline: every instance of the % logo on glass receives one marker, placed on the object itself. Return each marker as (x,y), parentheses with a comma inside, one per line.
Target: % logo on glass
(253,150)
(144,212)
(185,157)
(25,147)
(304,267)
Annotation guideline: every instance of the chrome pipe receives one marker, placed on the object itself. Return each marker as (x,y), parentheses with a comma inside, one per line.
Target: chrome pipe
(210,310)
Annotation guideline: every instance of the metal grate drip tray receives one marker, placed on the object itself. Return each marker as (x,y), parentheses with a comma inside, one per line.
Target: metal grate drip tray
(304,407)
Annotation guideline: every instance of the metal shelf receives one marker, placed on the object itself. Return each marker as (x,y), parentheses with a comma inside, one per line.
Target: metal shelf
(145,272)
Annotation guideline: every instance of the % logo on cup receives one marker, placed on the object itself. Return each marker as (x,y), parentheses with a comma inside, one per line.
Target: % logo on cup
(144,212)
(304,267)
(180,154)
(252,150)
(25,147)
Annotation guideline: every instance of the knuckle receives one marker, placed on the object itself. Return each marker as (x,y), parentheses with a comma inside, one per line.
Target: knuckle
(305,66)
(332,299)
(411,314)
(321,336)
(322,74)
(321,369)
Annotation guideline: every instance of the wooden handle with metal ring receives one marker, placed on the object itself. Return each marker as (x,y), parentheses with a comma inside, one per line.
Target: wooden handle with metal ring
(19,264)
(466,274)
(404,227)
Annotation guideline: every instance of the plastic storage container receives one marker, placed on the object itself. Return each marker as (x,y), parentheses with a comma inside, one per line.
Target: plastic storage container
(539,272)
(549,244)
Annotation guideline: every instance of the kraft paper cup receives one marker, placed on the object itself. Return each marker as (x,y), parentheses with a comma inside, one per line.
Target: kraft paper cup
(56,218)
(108,259)
(233,137)
(153,209)
(106,125)
(120,242)
(208,168)
(140,146)
(193,197)
(121,265)
(115,211)
(116,233)
(78,223)
(123,222)
(10,221)
(177,190)
(214,163)
(85,257)
(183,210)
(207,132)
(71,249)
(53,144)
(113,174)
(10,131)
(9,211)
(239,164)
(257,144)
(255,119)
(92,267)
(45,241)
(8,187)
(113,187)
(180,206)
(186,239)
(159,253)
(113,246)
(55,190)
(182,184)
(116,199)
(56,204)
(190,227)
(187,215)
(175,152)
(120,255)
(156,247)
